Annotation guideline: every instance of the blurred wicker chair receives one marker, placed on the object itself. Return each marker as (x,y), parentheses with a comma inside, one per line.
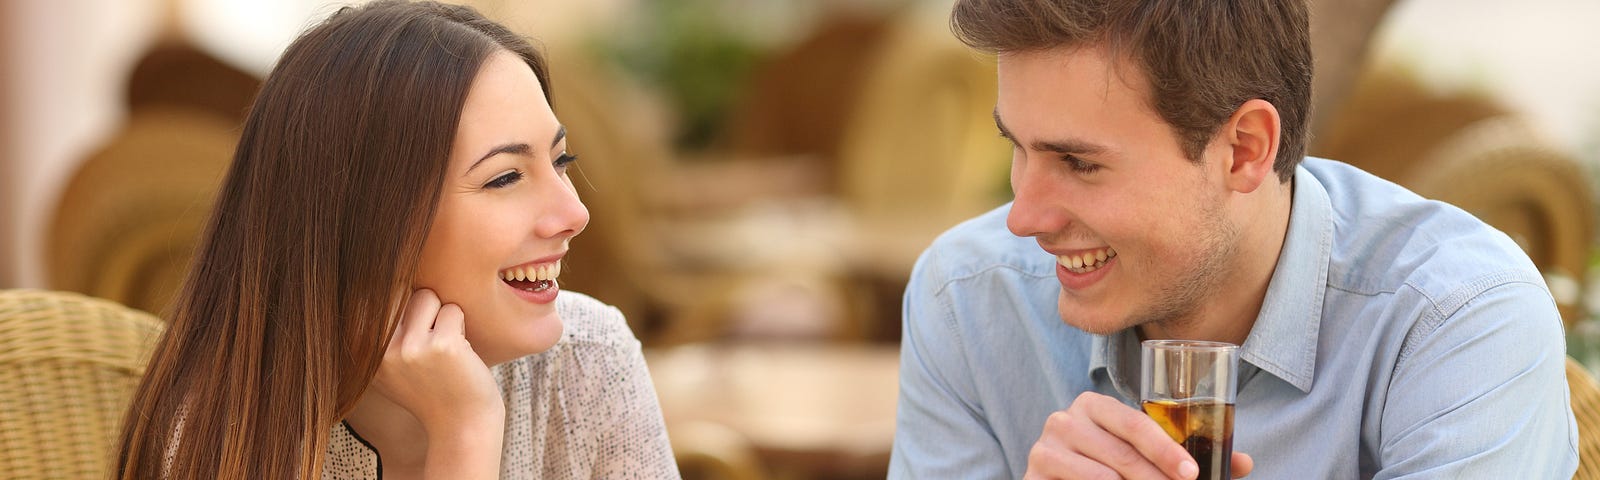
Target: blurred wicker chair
(919,154)
(795,100)
(681,275)
(1467,150)
(921,142)
(129,217)
(1586,407)
(68,364)
(619,258)
(709,451)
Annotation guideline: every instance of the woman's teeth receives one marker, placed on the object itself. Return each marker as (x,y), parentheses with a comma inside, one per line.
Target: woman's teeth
(1086,262)
(547,271)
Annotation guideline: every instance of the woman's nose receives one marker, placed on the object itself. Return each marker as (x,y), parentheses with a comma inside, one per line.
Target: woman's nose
(564,215)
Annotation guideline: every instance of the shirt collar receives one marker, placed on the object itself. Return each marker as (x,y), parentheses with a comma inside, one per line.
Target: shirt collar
(1283,341)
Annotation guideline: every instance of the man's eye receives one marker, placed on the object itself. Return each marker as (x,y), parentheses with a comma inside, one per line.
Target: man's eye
(503,181)
(1078,165)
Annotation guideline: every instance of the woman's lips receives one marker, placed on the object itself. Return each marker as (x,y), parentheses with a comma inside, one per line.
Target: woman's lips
(534,281)
(536,291)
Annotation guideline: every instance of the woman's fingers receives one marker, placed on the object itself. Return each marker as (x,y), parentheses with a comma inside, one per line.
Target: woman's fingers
(450,323)
(420,311)
(431,370)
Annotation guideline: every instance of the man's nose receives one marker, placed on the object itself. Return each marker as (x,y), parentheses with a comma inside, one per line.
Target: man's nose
(1036,209)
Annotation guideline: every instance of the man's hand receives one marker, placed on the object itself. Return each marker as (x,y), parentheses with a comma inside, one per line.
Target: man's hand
(1099,437)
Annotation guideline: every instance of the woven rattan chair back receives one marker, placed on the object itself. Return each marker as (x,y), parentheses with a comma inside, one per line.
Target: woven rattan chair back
(1586,407)
(68,364)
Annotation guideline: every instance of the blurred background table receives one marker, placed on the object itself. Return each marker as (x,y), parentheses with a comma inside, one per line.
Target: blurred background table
(799,410)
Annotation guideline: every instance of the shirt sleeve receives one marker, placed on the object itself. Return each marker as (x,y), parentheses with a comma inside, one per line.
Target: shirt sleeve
(1481,392)
(940,431)
(636,444)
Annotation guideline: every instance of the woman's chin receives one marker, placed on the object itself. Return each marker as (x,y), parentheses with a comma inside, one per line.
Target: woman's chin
(537,336)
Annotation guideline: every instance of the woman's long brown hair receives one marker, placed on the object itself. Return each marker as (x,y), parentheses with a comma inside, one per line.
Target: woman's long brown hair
(313,245)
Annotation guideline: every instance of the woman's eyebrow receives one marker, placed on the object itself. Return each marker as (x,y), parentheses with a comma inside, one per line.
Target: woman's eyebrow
(516,148)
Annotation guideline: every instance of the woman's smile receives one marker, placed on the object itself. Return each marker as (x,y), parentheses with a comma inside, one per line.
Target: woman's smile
(534,281)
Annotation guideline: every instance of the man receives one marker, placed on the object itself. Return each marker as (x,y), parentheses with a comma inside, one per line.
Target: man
(1162,191)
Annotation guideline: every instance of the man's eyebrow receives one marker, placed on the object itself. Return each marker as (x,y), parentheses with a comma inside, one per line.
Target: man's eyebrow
(1001,126)
(1077,147)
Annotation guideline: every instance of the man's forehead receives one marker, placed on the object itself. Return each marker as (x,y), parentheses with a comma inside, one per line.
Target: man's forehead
(1027,78)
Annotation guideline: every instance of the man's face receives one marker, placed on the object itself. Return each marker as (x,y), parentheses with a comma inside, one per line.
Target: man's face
(1138,229)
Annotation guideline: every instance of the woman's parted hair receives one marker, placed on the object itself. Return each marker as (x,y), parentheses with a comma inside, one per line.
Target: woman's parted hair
(313,244)
(1203,58)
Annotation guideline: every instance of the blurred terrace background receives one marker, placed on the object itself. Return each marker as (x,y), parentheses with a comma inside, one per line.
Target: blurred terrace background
(763,173)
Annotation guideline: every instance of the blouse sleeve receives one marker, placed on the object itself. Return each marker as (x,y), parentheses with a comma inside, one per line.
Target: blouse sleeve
(630,438)
(642,449)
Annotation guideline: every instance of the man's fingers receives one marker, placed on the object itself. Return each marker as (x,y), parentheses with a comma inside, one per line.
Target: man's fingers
(1106,449)
(1242,465)
(1067,467)
(1139,431)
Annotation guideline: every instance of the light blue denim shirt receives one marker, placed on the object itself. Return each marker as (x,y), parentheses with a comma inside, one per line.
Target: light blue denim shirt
(1399,338)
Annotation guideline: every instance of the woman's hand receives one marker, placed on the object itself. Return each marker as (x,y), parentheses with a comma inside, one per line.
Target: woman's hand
(431,371)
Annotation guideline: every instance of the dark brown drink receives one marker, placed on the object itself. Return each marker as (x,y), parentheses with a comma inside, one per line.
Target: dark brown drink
(1203,426)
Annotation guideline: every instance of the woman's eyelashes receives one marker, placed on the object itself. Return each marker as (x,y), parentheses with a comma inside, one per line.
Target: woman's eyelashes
(512,177)
(504,180)
(565,159)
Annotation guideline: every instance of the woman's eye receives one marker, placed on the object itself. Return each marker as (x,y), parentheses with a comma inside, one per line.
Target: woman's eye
(565,159)
(503,181)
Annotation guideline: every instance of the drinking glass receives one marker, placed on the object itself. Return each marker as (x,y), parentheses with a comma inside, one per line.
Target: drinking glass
(1188,387)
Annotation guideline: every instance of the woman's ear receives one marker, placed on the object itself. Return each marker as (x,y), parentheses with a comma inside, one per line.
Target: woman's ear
(1252,135)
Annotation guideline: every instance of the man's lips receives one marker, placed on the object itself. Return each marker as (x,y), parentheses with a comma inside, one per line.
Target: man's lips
(1084,260)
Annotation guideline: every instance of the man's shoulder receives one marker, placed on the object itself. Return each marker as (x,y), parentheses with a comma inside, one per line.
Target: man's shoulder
(1388,238)
(979,245)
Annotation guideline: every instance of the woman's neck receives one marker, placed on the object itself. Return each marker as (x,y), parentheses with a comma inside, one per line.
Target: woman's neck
(390,429)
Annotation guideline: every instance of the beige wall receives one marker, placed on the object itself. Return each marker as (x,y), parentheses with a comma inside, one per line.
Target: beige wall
(8,195)
(65,61)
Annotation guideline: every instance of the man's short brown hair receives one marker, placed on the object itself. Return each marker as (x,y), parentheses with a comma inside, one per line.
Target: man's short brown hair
(1204,58)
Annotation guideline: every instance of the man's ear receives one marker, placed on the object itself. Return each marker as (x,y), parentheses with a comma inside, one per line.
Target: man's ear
(1252,135)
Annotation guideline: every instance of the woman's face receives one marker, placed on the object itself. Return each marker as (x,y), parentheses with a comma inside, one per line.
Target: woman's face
(505,215)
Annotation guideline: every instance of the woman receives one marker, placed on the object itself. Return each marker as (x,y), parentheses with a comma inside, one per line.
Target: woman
(394,218)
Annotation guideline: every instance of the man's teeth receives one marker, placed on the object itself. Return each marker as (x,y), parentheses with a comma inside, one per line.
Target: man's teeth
(547,271)
(1086,262)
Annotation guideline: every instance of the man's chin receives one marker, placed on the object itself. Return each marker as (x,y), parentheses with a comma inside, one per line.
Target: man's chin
(1090,320)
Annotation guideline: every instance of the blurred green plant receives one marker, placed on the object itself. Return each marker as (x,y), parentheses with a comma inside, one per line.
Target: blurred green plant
(688,50)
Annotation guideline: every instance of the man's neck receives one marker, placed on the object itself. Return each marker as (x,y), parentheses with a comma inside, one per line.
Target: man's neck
(1231,312)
